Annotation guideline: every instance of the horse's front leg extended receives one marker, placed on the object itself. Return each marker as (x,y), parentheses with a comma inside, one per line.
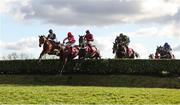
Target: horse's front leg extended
(63,65)
(40,57)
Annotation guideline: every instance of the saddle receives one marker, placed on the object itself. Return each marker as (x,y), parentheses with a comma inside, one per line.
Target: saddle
(55,43)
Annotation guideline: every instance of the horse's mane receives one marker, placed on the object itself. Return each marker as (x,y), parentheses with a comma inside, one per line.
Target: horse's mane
(159,48)
(42,36)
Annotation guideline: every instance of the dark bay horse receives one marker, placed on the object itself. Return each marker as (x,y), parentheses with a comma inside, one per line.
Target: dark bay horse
(49,47)
(163,54)
(70,53)
(86,51)
(122,51)
(67,55)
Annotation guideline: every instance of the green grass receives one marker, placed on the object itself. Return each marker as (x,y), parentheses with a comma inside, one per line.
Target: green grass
(88,89)
(11,94)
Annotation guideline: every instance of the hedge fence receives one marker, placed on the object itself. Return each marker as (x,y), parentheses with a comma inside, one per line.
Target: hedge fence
(103,66)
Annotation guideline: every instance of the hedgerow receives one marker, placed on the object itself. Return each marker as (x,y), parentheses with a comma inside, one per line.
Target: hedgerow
(103,66)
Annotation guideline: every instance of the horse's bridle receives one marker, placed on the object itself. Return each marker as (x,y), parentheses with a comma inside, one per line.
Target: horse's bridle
(44,40)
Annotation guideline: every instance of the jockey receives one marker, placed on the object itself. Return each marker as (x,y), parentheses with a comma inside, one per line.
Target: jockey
(71,41)
(167,47)
(124,39)
(52,36)
(89,38)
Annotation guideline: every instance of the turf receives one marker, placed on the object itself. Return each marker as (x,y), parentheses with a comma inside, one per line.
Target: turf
(70,89)
(11,94)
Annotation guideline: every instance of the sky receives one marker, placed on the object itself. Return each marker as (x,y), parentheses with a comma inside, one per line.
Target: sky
(148,23)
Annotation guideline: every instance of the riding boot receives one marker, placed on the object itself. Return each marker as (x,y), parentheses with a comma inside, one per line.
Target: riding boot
(90,47)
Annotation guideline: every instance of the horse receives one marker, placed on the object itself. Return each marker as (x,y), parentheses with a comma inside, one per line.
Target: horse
(86,51)
(49,47)
(163,54)
(67,54)
(122,51)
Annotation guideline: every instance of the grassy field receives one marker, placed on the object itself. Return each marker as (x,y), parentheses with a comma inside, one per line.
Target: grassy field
(119,89)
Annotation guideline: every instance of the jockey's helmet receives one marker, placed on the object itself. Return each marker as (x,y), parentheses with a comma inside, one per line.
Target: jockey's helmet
(50,31)
(166,44)
(69,34)
(121,34)
(87,32)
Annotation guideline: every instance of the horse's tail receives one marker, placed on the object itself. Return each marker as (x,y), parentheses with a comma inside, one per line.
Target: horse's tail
(136,54)
(98,54)
(174,56)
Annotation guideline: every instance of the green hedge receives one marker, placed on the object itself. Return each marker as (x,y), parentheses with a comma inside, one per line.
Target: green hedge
(103,66)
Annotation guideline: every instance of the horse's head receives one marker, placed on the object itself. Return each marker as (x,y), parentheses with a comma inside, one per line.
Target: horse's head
(42,40)
(62,49)
(81,39)
(114,47)
(159,49)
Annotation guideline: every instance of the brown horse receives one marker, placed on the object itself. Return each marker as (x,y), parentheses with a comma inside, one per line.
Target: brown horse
(49,47)
(86,51)
(163,54)
(67,54)
(122,51)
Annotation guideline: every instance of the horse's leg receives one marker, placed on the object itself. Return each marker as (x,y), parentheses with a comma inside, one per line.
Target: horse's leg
(40,57)
(132,55)
(171,56)
(64,62)
(97,55)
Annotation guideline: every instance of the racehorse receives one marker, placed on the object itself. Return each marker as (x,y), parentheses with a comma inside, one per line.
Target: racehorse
(122,51)
(86,51)
(67,54)
(163,54)
(49,47)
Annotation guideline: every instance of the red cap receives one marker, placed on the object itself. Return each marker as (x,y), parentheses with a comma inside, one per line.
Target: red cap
(69,34)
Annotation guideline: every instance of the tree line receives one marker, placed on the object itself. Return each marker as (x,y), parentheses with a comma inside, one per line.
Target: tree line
(23,56)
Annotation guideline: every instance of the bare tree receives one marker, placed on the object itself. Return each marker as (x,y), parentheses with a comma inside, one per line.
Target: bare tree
(12,56)
(24,56)
(3,58)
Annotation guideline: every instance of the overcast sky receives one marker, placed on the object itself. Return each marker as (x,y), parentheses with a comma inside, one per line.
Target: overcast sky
(148,23)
